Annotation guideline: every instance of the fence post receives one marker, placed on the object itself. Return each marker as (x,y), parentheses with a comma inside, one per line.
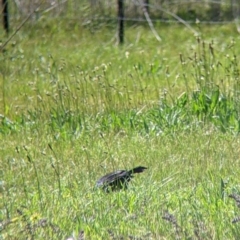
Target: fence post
(146,4)
(121,21)
(5,15)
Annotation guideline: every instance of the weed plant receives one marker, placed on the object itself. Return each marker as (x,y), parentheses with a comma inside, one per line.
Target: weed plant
(74,108)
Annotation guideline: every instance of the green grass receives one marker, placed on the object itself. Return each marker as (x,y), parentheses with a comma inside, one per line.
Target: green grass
(75,106)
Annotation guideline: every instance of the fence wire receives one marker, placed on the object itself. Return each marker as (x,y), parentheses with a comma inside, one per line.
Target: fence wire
(217,11)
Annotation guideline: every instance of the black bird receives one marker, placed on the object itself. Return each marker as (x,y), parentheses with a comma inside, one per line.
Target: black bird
(118,180)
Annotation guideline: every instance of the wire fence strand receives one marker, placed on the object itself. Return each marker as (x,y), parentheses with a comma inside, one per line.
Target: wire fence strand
(90,12)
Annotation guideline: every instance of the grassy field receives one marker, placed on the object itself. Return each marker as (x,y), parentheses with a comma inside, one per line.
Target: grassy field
(74,106)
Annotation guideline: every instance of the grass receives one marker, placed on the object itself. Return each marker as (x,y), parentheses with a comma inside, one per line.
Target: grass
(74,107)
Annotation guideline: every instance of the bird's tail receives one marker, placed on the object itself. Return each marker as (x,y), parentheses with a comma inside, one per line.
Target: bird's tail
(137,169)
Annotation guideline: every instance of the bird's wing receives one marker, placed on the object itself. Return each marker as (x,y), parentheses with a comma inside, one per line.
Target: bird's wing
(111,177)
